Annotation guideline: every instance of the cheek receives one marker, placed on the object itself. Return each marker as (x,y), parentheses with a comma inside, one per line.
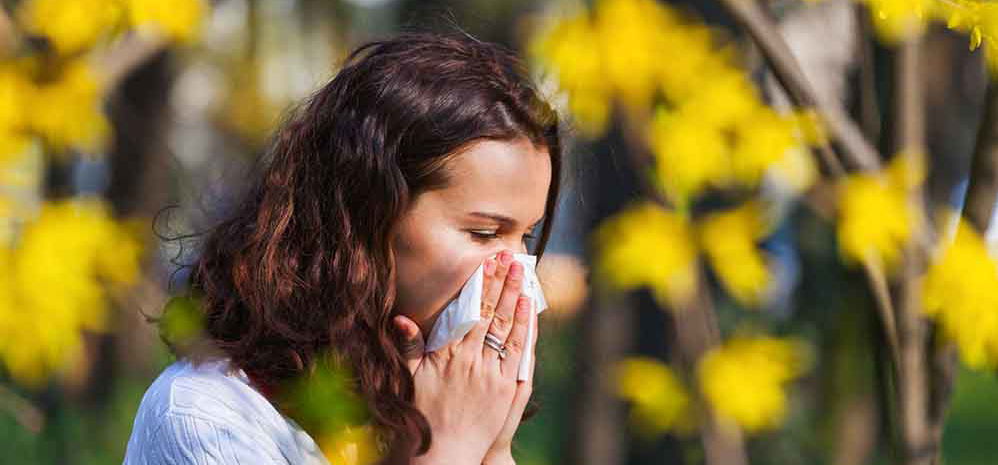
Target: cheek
(433,270)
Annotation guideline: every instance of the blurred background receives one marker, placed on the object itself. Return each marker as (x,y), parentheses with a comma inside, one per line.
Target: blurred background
(757,257)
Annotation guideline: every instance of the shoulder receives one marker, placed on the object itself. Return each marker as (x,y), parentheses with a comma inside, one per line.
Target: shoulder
(207,410)
(208,391)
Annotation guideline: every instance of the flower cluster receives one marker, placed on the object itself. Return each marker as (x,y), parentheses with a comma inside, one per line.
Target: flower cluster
(56,283)
(897,20)
(876,215)
(648,245)
(745,379)
(57,96)
(744,382)
(959,293)
(710,127)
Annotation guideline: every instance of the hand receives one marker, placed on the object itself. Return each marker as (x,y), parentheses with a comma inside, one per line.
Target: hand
(500,453)
(464,389)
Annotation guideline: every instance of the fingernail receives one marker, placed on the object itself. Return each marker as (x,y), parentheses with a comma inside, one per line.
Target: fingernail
(522,306)
(506,257)
(516,270)
(490,266)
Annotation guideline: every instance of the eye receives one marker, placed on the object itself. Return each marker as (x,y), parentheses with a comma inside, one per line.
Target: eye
(486,236)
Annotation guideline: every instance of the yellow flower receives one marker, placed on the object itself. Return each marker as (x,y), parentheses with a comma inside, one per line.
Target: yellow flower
(12,143)
(350,445)
(646,245)
(567,47)
(745,379)
(53,287)
(631,43)
(979,20)
(178,20)
(796,171)
(720,134)
(15,93)
(722,100)
(729,239)
(896,20)
(690,155)
(660,402)
(67,111)
(961,293)
(810,126)
(763,138)
(689,58)
(876,217)
(71,25)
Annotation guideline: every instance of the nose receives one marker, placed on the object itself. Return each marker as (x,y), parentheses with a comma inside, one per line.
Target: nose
(515,248)
(518,247)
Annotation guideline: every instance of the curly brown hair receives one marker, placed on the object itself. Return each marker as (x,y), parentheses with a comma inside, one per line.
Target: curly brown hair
(303,265)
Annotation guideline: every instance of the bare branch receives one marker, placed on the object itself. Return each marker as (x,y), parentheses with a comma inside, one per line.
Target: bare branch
(27,414)
(982,191)
(126,55)
(882,298)
(859,153)
(913,374)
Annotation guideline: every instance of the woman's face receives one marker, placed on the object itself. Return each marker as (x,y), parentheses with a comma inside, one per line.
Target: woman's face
(496,197)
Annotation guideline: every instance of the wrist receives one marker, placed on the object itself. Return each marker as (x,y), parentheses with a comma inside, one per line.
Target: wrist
(499,457)
(457,454)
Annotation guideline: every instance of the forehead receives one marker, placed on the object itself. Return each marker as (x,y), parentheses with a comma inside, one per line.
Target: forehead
(508,177)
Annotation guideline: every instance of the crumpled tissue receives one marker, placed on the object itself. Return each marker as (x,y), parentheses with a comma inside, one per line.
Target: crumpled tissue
(462,313)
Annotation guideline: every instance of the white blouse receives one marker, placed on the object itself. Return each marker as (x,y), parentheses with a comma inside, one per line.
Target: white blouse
(211,415)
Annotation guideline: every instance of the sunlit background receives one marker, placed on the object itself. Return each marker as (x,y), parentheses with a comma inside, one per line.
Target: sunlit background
(774,246)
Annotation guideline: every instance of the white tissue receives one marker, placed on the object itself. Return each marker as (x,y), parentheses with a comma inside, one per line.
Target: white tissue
(462,313)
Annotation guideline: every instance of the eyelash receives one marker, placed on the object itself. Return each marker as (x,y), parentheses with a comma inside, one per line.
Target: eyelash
(490,236)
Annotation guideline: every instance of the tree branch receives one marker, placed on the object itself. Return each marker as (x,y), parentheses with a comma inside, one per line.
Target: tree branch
(763,31)
(912,381)
(982,191)
(126,55)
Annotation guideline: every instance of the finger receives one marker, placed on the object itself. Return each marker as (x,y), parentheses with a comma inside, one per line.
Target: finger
(490,290)
(533,344)
(531,350)
(517,341)
(492,287)
(520,400)
(411,342)
(502,321)
(524,389)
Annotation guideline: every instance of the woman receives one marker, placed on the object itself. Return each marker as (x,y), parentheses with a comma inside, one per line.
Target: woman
(425,156)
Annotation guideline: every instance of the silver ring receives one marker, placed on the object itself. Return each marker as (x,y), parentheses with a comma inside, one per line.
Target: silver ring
(493,342)
(492,337)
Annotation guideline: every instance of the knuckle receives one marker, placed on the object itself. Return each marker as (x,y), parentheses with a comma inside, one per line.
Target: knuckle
(501,321)
(463,361)
(487,308)
(452,352)
(515,344)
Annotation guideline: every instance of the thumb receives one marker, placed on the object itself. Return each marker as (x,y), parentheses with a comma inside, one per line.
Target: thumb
(411,341)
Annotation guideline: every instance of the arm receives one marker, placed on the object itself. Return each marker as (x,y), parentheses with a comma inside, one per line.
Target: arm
(191,440)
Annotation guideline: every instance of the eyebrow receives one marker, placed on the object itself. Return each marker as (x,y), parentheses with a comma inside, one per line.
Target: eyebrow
(503,219)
